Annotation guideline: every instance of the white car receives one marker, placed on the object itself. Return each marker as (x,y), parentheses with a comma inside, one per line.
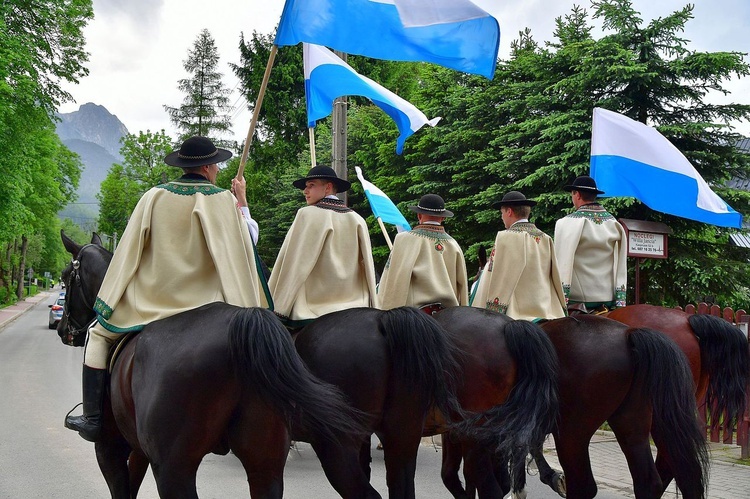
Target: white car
(56,311)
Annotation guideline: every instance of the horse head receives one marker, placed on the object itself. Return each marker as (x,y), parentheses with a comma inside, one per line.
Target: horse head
(83,277)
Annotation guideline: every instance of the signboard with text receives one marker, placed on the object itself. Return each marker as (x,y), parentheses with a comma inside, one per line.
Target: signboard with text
(647,245)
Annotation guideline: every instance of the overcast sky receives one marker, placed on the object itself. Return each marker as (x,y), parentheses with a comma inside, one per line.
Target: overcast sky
(138,47)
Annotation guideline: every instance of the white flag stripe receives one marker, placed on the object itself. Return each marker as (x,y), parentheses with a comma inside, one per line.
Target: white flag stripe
(618,135)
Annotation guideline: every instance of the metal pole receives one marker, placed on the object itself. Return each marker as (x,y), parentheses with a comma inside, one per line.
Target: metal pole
(339,136)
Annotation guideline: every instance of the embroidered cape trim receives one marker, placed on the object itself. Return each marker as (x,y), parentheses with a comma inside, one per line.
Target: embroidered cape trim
(189,187)
(102,309)
(595,213)
(529,228)
(431,232)
(336,205)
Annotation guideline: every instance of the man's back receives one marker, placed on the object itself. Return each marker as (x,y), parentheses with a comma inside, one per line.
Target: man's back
(591,254)
(185,246)
(426,266)
(324,265)
(521,277)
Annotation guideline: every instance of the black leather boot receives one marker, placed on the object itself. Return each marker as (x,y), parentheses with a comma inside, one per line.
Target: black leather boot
(89,425)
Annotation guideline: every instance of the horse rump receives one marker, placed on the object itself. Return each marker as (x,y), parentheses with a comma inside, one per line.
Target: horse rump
(264,358)
(663,374)
(424,355)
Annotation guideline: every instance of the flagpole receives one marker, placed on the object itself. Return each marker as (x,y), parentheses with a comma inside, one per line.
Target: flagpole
(256,112)
(385,233)
(311,133)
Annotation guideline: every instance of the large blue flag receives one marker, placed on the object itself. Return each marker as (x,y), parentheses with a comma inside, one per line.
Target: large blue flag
(381,205)
(629,158)
(452,33)
(328,77)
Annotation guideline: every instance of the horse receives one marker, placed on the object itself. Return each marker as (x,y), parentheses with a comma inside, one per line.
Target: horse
(639,381)
(413,379)
(213,379)
(719,363)
(410,378)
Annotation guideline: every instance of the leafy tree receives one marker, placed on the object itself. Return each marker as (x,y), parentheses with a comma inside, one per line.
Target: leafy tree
(205,108)
(41,45)
(142,168)
(530,129)
(534,120)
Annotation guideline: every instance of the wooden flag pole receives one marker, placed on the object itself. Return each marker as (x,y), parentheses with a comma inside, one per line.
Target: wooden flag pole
(311,133)
(256,112)
(385,233)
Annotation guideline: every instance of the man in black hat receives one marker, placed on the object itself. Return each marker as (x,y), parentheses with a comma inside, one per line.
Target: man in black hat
(591,248)
(426,267)
(520,278)
(186,244)
(325,263)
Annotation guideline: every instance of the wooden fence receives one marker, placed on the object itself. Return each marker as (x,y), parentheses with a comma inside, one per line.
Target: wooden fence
(741,434)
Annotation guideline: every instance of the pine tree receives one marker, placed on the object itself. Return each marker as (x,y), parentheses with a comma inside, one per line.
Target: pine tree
(205,110)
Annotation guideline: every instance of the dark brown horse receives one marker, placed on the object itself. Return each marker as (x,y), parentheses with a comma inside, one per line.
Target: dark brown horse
(638,381)
(405,372)
(719,363)
(511,367)
(216,378)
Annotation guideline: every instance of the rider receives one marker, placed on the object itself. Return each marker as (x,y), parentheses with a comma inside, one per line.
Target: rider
(591,248)
(325,263)
(186,244)
(426,266)
(521,277)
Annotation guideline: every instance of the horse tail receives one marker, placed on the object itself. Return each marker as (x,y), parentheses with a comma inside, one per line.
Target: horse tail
(264,357)
(724,354)
(524,420)
(668,383)
(423,354)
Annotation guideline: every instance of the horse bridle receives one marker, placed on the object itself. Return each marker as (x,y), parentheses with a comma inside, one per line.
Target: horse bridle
(73,327)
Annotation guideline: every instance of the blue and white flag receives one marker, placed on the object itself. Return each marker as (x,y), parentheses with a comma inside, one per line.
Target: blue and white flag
(381,204)
(328,77)
(629,158)
(452,33)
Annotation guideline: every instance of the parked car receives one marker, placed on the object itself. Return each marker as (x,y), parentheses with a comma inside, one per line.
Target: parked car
(56,311)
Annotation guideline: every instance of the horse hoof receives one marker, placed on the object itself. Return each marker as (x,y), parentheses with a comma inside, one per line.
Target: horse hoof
(560,485)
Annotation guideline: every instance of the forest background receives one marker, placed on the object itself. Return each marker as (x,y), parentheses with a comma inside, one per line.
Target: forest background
(528,129)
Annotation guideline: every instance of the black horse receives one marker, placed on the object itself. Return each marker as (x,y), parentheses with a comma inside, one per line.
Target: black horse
(413,378)
(213,379)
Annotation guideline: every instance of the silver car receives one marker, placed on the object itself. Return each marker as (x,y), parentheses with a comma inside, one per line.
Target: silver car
(56,311)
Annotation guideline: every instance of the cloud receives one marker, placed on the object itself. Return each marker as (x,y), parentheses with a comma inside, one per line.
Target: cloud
(141,15)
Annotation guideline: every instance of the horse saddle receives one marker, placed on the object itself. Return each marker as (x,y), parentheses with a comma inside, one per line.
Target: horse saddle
(117,347)
(581,309)
(432,308)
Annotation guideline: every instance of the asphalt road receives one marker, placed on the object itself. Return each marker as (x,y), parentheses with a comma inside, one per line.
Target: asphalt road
(40,458)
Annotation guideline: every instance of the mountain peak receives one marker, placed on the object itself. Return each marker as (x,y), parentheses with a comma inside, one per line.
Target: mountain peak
(93,123)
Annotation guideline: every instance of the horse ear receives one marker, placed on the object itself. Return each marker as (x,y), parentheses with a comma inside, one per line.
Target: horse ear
(95,239)
(69,244)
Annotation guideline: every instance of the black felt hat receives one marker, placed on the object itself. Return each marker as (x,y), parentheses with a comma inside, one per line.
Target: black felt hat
(432,204)
(323,173)
(583,183)
(197,151)
(513,198)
